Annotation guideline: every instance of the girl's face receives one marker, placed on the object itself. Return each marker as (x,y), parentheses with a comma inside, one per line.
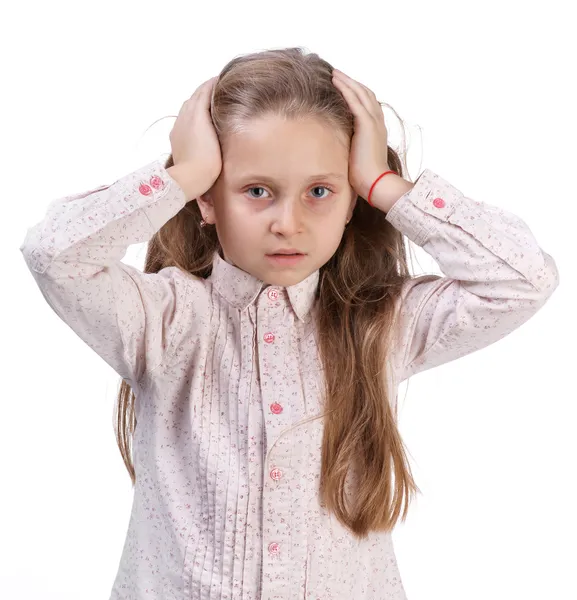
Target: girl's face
(283,186)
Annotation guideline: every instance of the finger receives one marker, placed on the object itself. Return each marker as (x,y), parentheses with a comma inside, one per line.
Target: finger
(204,88)
(210,83)
(189,105)
(374,99)
(370,99)
(357,91)
(366,95)
(357,107)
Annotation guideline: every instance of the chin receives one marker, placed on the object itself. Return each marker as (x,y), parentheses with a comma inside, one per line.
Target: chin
(285,278)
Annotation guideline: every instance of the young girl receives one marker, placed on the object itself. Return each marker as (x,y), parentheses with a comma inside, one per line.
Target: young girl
(262,348)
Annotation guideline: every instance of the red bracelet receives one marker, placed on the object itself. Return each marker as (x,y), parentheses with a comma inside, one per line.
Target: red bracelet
(372,187)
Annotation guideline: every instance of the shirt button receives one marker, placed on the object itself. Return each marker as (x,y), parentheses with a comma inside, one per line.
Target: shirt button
(156,182)
(276,408)
(273,293)
(439,202)
(269,338)
(276,474)
(145,189)
(274,548)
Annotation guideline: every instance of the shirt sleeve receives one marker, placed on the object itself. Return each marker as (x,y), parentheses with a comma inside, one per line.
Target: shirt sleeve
(495,275)
(126,316)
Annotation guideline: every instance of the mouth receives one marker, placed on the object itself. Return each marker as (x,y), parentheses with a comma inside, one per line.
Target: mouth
(286,252)
(285,258)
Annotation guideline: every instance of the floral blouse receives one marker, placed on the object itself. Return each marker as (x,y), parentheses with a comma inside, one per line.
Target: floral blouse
(227,379)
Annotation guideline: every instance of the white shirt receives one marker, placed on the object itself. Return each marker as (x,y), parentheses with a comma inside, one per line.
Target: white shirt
(226,370)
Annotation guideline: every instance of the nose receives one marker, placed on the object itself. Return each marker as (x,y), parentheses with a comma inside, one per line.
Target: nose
(287,217)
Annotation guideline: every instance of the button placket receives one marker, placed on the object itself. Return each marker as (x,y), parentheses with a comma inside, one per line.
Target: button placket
(275,500)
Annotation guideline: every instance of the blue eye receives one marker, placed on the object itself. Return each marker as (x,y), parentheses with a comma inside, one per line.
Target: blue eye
(256,188)
(318,187)
(321,187)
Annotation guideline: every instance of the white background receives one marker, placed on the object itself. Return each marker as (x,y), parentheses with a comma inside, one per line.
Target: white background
(487,91)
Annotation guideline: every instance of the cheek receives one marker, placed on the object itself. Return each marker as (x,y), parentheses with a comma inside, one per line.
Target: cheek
(329,232)
(236,227)
(227,215)
(335,216)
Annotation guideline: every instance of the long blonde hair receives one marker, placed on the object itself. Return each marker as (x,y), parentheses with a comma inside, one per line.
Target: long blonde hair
(356,297)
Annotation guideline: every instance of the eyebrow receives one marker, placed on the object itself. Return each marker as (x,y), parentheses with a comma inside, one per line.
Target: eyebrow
(271,180)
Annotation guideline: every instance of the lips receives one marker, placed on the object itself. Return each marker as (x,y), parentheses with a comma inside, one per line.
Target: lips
(284,259)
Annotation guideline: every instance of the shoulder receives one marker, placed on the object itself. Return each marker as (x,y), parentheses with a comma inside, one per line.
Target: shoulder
(185,283)
(194,300)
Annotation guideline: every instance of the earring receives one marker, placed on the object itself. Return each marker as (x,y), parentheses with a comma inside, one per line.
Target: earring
(202,223)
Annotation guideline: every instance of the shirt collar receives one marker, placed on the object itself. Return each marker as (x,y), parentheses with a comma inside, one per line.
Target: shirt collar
(241,289)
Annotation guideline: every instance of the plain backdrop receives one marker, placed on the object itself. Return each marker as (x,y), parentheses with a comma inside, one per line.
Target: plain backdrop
(487,93)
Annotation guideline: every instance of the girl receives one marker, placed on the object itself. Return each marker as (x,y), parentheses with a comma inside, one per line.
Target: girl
(262,348)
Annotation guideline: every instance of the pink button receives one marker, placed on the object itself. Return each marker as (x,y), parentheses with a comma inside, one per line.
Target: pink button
(274,548)
(273,294)
(276,408)
(439,202)
(145,189)
(269,338)
(276,474)
(156,182)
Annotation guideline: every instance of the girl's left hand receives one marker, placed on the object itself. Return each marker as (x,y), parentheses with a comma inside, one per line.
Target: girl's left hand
(368,156)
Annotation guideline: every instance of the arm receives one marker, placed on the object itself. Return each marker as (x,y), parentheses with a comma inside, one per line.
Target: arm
(74,254)
(496,275)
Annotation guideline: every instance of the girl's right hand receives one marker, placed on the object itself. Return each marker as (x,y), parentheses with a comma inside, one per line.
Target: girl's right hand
(195,146)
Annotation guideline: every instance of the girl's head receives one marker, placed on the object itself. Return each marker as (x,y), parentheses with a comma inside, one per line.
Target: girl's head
(285,131)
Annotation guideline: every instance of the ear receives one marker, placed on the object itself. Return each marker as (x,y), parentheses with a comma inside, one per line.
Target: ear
(206,205)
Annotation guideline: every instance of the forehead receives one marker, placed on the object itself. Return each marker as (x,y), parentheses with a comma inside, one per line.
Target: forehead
(281,148)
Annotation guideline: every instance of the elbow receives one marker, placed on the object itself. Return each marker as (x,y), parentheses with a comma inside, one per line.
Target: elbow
(548,281)
(35,256)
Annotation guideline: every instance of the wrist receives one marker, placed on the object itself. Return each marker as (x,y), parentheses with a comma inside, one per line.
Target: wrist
(185,178)
(388,190)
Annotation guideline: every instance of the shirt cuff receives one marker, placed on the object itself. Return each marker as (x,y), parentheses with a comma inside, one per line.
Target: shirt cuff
(416,212)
